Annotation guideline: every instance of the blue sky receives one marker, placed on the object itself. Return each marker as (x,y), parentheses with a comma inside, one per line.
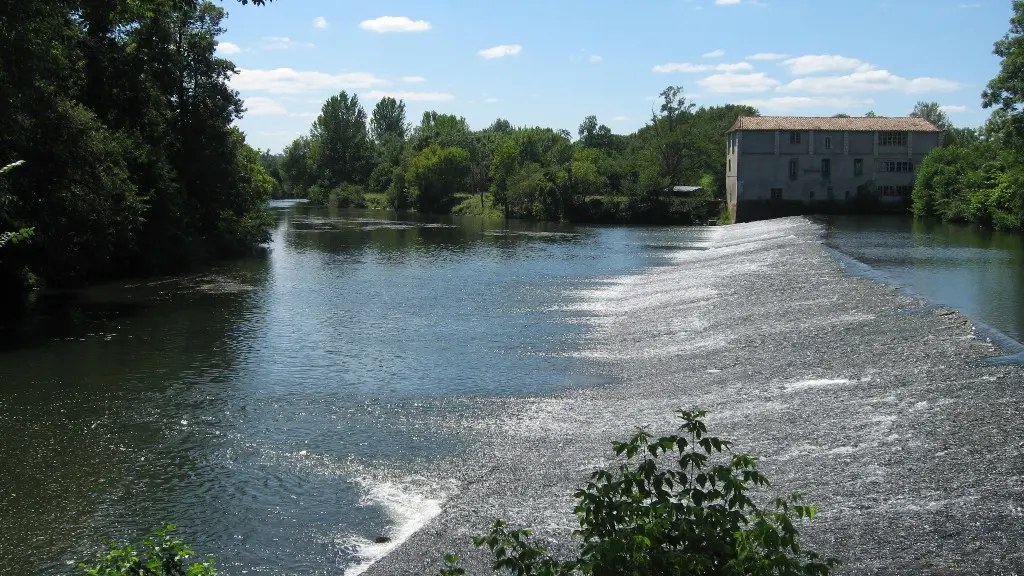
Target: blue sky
(552,62)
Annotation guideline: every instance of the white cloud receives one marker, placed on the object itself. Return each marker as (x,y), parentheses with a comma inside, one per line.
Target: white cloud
(413,79)
(767,56)
(968,6)
(410,96)
(868,81)
(687,67)
(595,59)
(953,108)
(795,103)
(621,118)
(804,65)
(321,23)
(386,24)
(263,106)
(277,43)
(726,2)
(714,54)
(228,48)
(733,83)
(501,51)
(290,81)
(490,100)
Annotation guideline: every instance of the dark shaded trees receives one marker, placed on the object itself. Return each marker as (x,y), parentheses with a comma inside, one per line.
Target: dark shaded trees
(122,115)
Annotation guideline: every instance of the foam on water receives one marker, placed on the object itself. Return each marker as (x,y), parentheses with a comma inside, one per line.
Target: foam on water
(821,383)
(409,504)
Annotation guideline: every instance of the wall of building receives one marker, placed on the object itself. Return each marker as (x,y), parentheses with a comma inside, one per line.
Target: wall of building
(755,174)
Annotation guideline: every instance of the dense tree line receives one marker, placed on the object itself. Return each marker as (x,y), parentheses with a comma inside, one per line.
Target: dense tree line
(120,117)
(979,176)
(441,164)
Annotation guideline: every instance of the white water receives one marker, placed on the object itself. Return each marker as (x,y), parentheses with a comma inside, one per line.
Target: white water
(409,504)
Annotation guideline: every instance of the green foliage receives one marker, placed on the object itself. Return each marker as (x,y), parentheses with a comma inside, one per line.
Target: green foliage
(160,555)
(381,178)
(397,195)
(978,183)
(932,112)
(122,112)
(537,173)
(979,177)
(696,516)
(435,175)
(340,146)
(348,196)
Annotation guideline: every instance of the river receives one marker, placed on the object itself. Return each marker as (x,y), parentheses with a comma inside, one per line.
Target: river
(373,375)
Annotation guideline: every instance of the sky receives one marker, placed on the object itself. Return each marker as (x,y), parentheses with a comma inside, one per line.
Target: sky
(553,62)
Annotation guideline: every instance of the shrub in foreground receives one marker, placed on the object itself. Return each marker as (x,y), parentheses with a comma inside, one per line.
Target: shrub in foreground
(694,517)
(160,555)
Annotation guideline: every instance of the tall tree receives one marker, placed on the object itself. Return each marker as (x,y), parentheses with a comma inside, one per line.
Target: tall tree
(1006,90)
(340,142)
(388,130)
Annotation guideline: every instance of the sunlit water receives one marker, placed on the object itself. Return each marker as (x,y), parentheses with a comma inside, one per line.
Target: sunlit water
(373,372)
(280,411)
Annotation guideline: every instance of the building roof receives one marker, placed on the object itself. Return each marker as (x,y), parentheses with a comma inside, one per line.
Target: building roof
(859,124)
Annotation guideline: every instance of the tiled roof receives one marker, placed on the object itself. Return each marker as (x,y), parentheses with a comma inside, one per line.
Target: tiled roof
(860,124)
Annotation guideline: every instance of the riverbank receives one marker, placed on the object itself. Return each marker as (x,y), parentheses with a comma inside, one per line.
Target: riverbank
(885,412)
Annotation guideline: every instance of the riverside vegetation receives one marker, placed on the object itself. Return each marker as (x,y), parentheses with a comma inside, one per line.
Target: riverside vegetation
(119,116)
(695,517)
(441,165)
(979,176)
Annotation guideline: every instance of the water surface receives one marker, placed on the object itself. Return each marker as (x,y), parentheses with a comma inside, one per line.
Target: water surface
(978,272)
(284,411)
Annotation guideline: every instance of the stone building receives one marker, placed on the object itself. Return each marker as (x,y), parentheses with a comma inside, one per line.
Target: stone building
(780,165)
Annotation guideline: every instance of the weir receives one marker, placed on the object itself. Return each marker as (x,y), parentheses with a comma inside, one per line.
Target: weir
(896,424)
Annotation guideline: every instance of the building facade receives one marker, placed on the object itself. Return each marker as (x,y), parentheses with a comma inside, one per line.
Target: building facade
(778,164)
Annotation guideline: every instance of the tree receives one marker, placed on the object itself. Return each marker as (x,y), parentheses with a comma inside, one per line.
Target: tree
(932,112)
(696,517)
(297,167)
(340,146)
(1006,91)
(435,175)
(445,130)
(871,114)
(388,130)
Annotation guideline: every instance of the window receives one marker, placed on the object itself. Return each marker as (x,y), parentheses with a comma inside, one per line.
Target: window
(830,193)
(794,169)
(897,166)
(894,190)
(794,137)
(828,142)
(892,138)
(730,165)
(776,193)
(826,168)
(858,167)
(811,194)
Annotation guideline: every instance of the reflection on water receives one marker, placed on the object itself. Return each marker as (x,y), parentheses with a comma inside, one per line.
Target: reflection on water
(976,271)
(286,410)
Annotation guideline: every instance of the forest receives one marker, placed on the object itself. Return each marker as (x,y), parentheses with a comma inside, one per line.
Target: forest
(118,153)
(441,165)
